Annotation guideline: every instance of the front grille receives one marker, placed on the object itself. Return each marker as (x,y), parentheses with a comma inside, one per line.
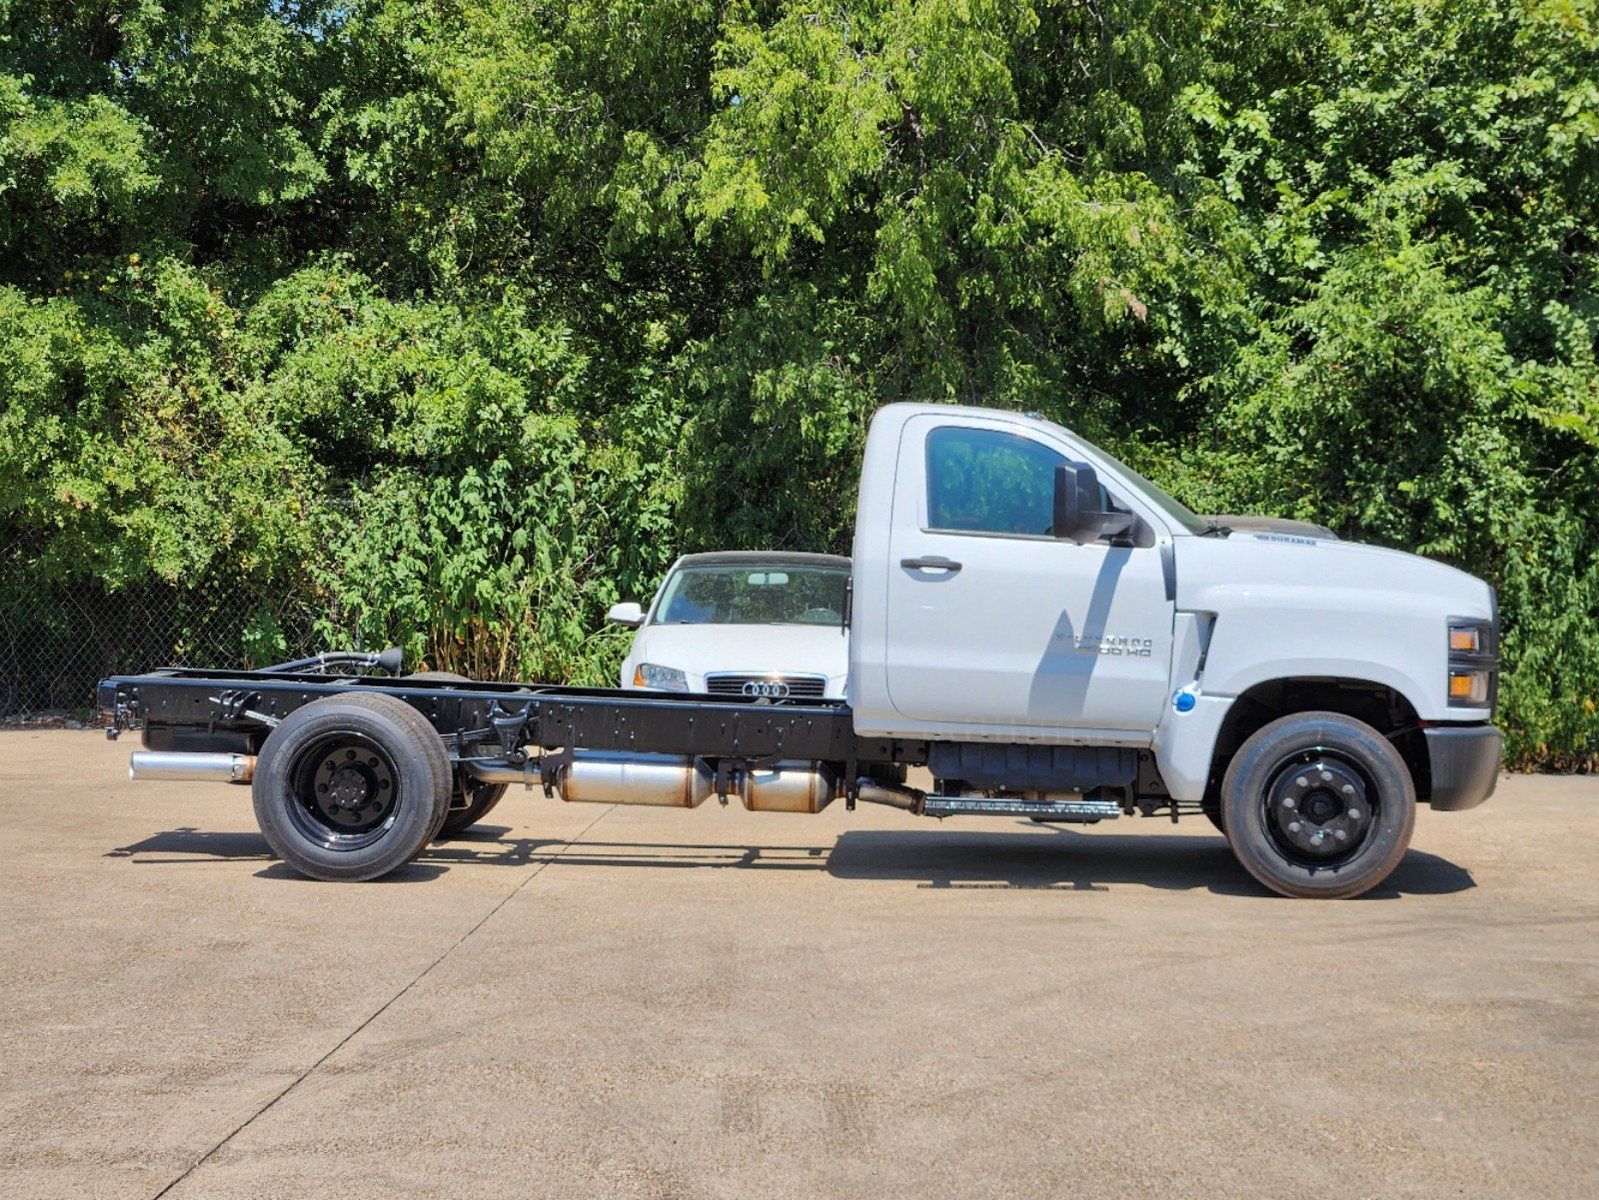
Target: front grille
(800,687)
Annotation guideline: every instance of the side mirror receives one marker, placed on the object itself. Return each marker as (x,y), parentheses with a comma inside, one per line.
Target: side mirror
(1082,510)
(629,614)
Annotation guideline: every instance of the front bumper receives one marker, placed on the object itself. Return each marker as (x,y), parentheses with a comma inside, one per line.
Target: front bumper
(1465,764)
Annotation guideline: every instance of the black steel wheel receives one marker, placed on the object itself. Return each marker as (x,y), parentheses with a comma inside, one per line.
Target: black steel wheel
(351,787)
(345,791)
(1318,804)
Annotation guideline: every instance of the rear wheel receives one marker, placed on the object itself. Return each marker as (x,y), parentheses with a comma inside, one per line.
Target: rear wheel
(470,802)
(1318,804)
(351,787)
(479,801)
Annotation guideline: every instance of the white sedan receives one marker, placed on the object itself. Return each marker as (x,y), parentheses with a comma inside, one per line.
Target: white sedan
(743,623)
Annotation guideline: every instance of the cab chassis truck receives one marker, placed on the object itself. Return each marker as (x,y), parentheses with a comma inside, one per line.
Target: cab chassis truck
(1046,631)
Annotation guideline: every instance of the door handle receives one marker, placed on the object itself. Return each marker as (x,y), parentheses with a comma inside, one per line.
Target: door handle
(933,562)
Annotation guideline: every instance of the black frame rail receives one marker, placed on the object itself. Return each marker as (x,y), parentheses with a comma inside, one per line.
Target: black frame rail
(180,709)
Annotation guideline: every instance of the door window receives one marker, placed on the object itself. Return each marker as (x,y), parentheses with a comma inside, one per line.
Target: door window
(985,481)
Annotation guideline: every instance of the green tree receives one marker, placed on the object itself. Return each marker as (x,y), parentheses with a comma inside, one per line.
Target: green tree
(457,319)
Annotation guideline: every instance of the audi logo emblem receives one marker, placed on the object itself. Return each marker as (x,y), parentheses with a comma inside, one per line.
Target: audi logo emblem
(772,689)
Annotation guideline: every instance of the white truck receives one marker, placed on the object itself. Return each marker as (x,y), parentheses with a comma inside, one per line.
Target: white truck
(1046,631)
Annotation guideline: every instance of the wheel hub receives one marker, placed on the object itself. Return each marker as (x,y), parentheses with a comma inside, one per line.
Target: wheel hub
(348,789)
(351,788)
(1320,808)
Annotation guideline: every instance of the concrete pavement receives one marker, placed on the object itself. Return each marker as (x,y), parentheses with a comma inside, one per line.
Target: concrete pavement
(588,1001)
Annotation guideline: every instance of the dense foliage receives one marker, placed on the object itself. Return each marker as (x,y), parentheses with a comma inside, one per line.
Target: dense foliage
(464,316)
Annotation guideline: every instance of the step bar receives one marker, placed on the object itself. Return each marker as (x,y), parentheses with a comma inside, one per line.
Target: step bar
(1040,810)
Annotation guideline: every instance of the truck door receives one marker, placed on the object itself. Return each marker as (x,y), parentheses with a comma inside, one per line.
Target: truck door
(991,619)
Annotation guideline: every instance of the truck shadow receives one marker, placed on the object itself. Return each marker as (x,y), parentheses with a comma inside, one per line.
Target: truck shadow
(1074,861)
(1024,859)
(485,846)
(481,846)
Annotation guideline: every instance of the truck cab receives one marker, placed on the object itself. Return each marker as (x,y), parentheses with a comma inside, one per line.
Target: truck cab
(1051,621)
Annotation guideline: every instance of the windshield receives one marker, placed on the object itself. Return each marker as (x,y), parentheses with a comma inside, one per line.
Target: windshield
(764,594)
(1173,508)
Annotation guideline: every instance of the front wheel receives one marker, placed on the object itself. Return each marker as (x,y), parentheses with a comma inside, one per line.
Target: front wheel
(1318,804)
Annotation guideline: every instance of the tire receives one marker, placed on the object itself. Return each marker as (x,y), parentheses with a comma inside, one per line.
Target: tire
(484,797)
(351,787)
(1318,805)
(465,810)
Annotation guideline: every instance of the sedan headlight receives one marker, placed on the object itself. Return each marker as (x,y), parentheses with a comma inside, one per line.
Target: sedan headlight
(661,679)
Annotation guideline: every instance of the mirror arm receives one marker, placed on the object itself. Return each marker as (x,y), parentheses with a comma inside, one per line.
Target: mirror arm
(1092,526)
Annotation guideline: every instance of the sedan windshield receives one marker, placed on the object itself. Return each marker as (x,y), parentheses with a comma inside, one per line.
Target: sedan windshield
(768,594)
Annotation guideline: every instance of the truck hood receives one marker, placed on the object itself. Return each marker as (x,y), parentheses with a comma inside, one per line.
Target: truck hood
(1288,605)
(1286,557)
(1236,521)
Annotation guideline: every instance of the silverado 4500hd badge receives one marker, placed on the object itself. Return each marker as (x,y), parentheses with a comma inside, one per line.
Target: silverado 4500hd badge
(1111,643)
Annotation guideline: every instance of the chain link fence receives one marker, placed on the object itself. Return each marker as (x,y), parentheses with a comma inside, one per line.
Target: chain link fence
(57,641)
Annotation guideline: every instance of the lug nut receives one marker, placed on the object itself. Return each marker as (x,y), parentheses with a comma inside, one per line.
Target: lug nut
(1289,802)
(1354,814)
(1294,827)
(1340,835)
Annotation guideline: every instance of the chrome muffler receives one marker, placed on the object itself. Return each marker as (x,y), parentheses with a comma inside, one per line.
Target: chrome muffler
(603,777)
(670,780)
(795,787)
(682,781)
(209,768)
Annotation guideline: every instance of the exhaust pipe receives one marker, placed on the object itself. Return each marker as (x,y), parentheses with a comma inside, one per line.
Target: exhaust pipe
(211,768)
(873,792)
(503,772)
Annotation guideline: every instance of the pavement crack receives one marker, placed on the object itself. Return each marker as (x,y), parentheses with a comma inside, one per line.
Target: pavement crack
(383,1008)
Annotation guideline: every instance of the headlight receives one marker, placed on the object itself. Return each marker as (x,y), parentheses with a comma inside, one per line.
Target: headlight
(662,679)
(1473,663)
(1470,689)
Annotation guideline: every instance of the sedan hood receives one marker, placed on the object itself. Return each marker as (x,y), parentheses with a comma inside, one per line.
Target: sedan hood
(747,649)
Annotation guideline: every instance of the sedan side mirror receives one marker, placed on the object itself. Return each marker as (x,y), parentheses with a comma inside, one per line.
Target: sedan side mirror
(1082,510)
(628,614)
